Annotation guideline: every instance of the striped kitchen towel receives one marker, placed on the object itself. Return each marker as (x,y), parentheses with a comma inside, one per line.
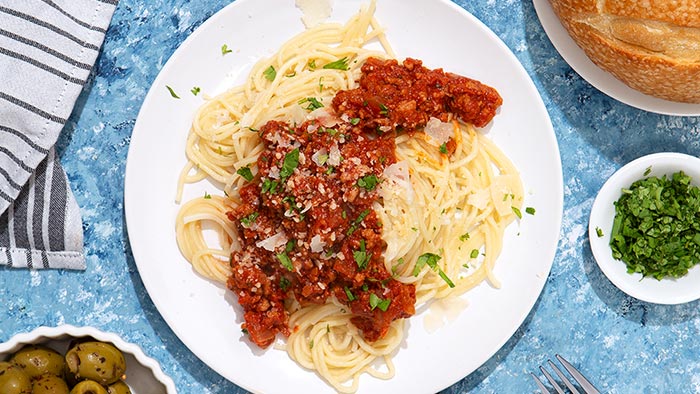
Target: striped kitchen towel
(47,49)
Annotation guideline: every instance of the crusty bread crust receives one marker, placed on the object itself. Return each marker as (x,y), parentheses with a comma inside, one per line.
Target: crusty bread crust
(653,46)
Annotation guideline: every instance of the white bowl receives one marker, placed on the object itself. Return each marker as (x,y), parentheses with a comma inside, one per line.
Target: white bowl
(666,291)
(143,374)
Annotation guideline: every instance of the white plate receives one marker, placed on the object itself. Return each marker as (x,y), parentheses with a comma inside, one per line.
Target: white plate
(202,314)
(666,291)
(600,79)
(143,374)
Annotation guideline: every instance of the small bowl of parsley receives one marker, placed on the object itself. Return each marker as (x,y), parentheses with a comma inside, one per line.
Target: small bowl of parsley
(644,228)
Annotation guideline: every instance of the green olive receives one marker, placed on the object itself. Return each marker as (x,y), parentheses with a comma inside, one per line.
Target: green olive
(88,387)
(37,360)
(118,388)
(50,384)
(98,361)
(13,380)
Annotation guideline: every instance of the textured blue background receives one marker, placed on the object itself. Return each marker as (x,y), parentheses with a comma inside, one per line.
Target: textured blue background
(627,345)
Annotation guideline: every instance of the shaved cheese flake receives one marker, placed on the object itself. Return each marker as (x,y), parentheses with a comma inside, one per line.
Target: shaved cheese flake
(317,244)
(439,132)
(334,156)
(398,181)
(273,242)
(320,157)
(503,195)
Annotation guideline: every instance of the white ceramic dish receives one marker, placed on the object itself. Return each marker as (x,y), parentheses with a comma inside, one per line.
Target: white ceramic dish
(207,318)
(665,291)
(143,374)
(600,79)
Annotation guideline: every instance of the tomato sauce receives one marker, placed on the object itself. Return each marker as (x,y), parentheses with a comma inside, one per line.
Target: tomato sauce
(306,224)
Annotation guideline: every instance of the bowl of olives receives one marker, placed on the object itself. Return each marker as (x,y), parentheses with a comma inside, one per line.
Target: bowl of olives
(78,360)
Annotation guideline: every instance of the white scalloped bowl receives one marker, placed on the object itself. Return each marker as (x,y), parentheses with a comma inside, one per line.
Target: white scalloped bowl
(668,291)
(143,374)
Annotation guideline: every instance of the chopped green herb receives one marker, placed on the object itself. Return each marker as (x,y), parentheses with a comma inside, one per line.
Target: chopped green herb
(290,163)
(464,237)
(444,277)
(361,257)
(313,103)
(430,259)
(225,49)
(656,229)
(599,232)
(195,90)
(284,283)
(320,85)
(248,220)
(376,302)
(357,221)
(530,210)
(289,246)
(368,182)
(340,64)
(312,64)
(517,212)
(383,109)
(285,261)
(474,254)
(172,92)
(245,173)
(207,196)
(443,148)
(647,171)
(311,344)
(348,293)
(354,121)
(270,73)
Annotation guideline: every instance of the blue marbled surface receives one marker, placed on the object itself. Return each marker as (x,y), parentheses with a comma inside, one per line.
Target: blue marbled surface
(628,346)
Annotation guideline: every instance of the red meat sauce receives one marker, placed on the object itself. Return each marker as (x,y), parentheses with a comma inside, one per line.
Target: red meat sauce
(305,222)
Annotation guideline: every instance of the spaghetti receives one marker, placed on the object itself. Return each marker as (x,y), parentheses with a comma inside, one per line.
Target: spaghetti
(441,200)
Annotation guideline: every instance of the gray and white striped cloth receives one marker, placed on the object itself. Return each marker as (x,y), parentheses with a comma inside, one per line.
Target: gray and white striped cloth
(47,49)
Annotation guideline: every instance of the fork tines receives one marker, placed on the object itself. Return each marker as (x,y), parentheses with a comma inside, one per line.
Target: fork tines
(583,383)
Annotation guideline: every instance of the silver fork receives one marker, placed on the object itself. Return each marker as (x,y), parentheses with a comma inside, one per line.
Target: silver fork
(583,383)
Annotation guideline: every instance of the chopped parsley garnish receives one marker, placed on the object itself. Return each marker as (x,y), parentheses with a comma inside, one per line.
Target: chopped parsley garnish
(340,64)
(357,221)
(376,302)
(474,254)
(351,297)
(289,246)
(312,64)
(172,92)
(270,73)
(383,109)
(285,261)
(517,212)
(443,148)
(225,49)
(195,90)
(313,103)
(530,210)
(284,283)
(431,260)
(245,173)
(207,196)
(290,163)
(320,85)
(464,237)
(368,182)
(599,232)
(656,229)
(248,220)
(269,186)
(354,121)
(361,257)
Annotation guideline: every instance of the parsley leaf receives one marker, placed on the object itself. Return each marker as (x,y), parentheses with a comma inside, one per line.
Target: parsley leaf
(340,64)
(225,49)
(376,302)
(368,182)
(285,261)
(195,90)
(270,73)
(290,163)
(313,103)
(361,257)
(245,173)
(172,92)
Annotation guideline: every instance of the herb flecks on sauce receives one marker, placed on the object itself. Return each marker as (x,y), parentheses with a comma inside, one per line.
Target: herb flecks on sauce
(305,220)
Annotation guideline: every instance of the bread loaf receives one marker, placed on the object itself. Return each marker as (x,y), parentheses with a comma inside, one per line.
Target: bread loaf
(653,46)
